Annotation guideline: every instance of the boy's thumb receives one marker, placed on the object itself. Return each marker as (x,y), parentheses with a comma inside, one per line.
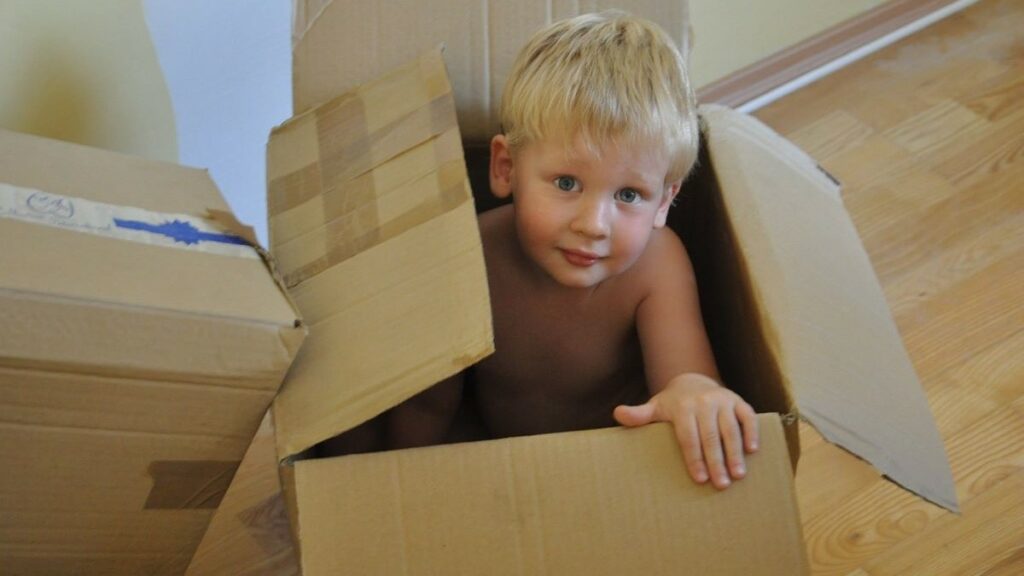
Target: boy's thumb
(634,415)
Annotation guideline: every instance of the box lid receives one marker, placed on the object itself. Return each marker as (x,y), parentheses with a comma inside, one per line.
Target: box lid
(611,501)
(833,334)
(374,227)
(482,39)
(100,248)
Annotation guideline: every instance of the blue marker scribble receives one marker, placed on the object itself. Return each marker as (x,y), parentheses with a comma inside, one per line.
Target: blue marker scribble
(179,231)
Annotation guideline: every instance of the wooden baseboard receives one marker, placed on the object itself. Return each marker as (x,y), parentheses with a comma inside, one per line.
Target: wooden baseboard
(782,67)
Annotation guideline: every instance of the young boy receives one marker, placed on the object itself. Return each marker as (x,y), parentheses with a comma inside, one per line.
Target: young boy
(596,315)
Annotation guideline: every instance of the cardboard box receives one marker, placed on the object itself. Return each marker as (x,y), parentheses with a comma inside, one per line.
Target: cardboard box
(142,342)
(374,230)
(340,45)
(386,266)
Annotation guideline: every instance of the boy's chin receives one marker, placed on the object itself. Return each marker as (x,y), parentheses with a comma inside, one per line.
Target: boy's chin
(575,279)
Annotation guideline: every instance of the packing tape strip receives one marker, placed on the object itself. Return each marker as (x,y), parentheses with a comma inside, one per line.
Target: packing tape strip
(189,484)
(267,524)
(360,229)
(350,208)
(181,231)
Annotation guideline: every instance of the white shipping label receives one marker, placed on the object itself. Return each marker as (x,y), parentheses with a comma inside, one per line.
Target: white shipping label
(180,231)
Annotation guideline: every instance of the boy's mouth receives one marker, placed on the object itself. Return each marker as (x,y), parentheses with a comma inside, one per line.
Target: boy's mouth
(580,258)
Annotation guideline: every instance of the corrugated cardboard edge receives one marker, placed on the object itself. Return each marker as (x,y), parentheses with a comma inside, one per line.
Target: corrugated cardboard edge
(292,339)
(933,480)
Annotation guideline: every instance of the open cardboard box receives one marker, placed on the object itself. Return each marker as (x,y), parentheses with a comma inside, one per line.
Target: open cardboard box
(798,322)
(141,341)
(372,222)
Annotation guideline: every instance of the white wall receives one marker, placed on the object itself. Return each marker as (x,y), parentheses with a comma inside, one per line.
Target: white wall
(84,72)
(731,34)
(227,65)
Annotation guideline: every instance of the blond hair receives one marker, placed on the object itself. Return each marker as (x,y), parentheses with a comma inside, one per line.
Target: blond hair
(604,77)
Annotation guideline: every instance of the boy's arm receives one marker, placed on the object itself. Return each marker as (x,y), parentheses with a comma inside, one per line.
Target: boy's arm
(713,425)
(424,419)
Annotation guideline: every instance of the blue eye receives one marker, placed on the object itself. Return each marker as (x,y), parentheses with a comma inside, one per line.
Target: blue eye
(628,195)
(565,183)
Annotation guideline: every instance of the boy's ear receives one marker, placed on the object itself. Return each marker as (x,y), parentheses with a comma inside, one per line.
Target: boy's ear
(501,167)
(671,191)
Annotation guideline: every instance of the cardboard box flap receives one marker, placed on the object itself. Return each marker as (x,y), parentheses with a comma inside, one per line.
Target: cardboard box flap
(517,506)
(154,256)
(374,227)
(338,45)
(820,301)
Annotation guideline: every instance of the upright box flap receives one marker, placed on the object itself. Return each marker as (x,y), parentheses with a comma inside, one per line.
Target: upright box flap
(373,225)
(819,299)
(338,45)
(611,501)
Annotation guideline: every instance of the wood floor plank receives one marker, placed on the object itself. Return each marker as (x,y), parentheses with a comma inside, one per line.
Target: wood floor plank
(1000,97)
(909,193)
(955,231)
(985,540)
(996,372)
(952,336)
(998,149)
(947,121)
(955,407)
(876,162)
(827,474)
(907,293)
(831,134)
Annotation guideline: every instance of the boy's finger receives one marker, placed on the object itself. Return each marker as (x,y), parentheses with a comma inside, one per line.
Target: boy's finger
(748,420)
(732,439)
(634,415)
(711,443)
(689,441)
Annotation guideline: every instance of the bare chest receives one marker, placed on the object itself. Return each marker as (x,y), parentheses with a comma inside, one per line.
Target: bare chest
(558,366)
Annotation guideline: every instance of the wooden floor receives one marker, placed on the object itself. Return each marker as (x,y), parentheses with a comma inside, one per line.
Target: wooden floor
(927,137)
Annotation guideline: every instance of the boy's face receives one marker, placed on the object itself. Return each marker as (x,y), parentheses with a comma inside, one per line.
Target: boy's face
(583,217)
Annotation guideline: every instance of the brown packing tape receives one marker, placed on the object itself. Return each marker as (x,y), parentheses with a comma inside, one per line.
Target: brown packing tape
(357,131)
(360,229)
(287,475)
(350,204)
(293,189)
(417,162)
(233,225)
(293,170)
(321,164)
(189,484)
(267,523)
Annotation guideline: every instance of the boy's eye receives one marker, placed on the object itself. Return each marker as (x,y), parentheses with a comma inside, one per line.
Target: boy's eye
(565,183)
(627,195)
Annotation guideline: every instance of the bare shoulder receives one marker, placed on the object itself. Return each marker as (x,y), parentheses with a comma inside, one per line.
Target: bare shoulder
(496,224)
(665,261)
(498,236)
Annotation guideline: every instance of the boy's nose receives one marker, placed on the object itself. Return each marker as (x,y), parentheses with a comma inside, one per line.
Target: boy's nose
(591,219)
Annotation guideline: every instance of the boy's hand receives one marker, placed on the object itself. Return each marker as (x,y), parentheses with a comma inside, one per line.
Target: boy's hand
(706,417)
